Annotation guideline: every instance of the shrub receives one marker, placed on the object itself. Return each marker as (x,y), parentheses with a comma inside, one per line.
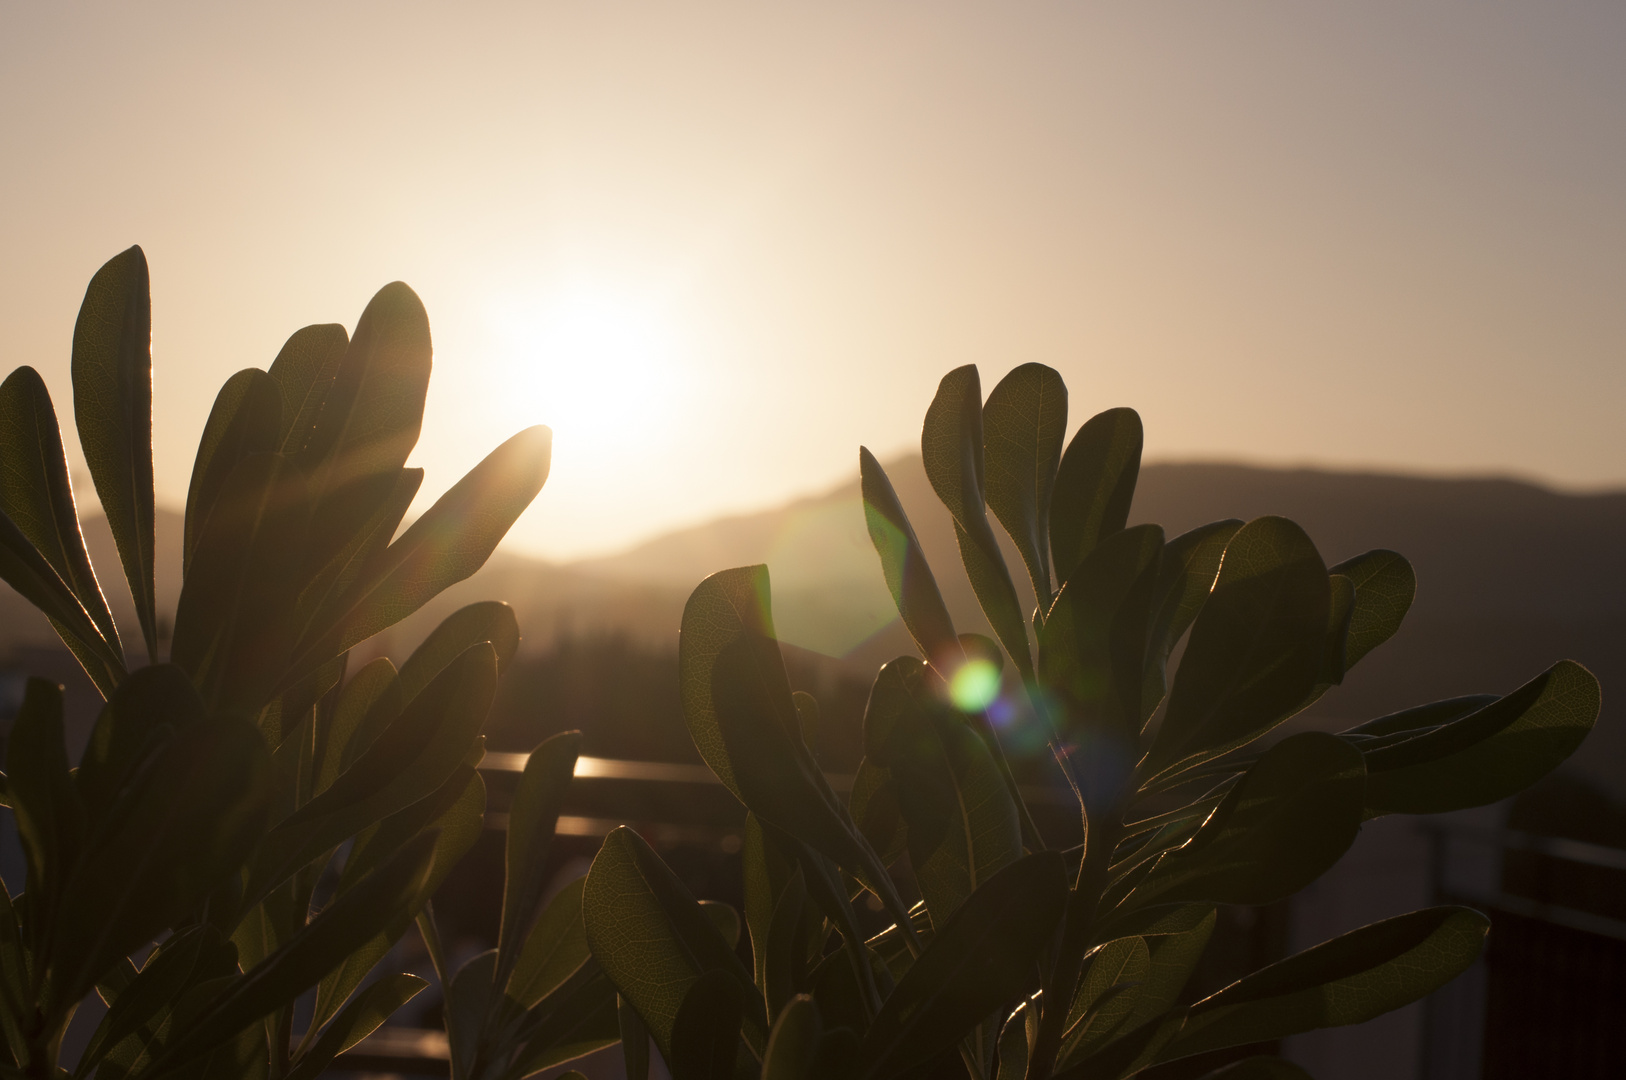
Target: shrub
(1019,959)
(218,787)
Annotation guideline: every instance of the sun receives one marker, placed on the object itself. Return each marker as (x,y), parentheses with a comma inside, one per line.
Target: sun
(604,362)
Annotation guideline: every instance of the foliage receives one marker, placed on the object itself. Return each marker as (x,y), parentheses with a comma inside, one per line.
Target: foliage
(244,822)
(1021,960)
(539,998)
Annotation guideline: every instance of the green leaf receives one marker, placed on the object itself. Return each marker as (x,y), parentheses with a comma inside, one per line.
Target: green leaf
(154,703)
(1490,753)
(456,813)
(1409,723)
(1016,1040)
(1255,649)
(1385,585)
(532,817)
(37,495)
(189,957)
(1176,942)
(1185,576)
(1348,980)
(384,901)
(1263,1067)
(807,719)
(50,817)
(771,859)
(706,1035)
(233,623)
(488,620)
(177,829)
(359,1019)
(1175,937)
(416,754)
(246,419)
(1293,814)
(873,804)
(554,950)
(1106,996)
(903,563)
(984,957)
(996,593)
(654,942)
(304,371)
(724,919)
(1092,646)
(25,569)
(367,705)
(371,416)
(449,542)
(634,1041)
(1340,612)
(768,872)
(585,1022)
(1024,424)
(14,973)
(793,1046)
(338,554)
(738,708)
(961,824)
(468,1005)
(112,406)
(785,946)
(1094,486)
(951,448)
(315,696)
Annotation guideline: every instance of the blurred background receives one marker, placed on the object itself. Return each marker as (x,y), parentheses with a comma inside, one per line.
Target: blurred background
(1357,264)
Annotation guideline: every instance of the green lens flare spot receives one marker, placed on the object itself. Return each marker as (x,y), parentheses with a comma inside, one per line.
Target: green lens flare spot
(974,686)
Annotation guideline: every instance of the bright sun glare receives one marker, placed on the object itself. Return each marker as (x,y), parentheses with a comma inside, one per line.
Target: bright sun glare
(603,365)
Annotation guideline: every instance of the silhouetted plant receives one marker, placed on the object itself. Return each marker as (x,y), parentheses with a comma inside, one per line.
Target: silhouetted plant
(538,998)
(207,811)
(1025,960)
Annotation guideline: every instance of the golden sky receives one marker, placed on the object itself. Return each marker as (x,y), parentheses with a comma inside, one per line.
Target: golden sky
(718,246)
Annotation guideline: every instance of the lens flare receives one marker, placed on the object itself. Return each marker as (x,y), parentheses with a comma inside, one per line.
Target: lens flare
(974,686)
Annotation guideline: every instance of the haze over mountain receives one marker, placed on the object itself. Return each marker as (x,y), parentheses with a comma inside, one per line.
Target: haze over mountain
(1511,577)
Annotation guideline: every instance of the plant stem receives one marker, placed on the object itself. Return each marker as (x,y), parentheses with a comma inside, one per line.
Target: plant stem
(1078,922)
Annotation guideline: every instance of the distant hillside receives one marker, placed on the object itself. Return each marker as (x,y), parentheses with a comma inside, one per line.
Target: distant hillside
(1511,576)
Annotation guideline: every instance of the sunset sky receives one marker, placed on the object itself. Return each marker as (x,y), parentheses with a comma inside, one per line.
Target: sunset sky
(718,247)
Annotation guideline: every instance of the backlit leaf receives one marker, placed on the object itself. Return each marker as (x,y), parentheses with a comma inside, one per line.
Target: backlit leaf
(1255,649)
(246,419)
(1292,815)
(1489,753)
(37,495)
(706,1037)
(1095,484)
(304,371)
(653,941)
(951,448)
(903,563)
(1024,424)
(532,817)
(1385,585)
(112,407)
(1348,980)
(984,956)
(738,707)
(449,542)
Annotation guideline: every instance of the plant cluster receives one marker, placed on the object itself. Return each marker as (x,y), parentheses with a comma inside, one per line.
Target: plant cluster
(244,823)
(1021,960)
(248,828)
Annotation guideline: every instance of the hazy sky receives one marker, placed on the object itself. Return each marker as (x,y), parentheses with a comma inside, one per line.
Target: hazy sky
(717,247)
